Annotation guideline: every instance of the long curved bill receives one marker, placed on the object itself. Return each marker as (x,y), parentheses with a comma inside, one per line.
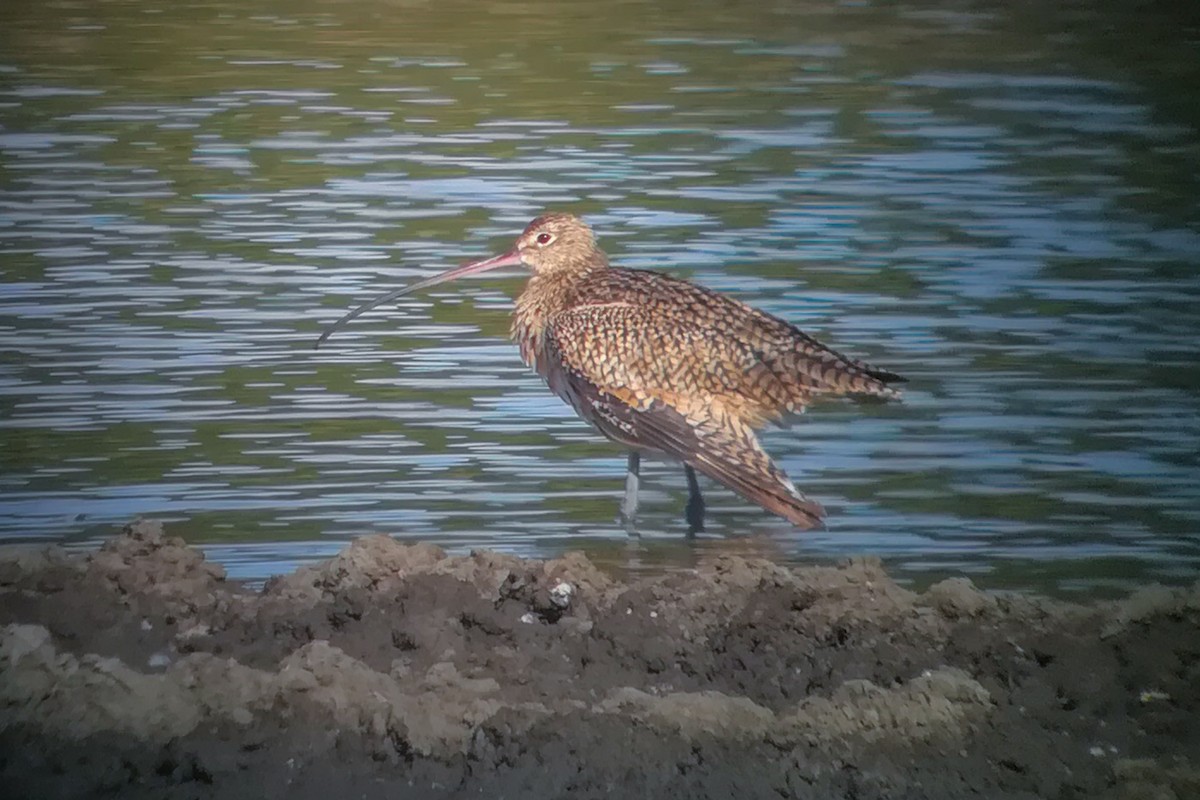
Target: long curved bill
(510,259)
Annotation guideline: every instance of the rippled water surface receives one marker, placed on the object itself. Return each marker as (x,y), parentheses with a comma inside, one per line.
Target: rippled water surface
(1001,202)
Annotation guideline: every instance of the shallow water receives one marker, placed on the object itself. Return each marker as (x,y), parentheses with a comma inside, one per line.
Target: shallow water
(1000,202)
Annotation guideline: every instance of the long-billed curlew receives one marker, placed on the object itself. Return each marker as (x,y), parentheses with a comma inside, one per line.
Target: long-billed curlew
(664,366)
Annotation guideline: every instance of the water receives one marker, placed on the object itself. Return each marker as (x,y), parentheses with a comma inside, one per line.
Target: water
(1001,203)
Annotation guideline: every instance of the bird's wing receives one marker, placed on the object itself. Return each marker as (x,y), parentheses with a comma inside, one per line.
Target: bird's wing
(803,365)
(767,365)
(636,392)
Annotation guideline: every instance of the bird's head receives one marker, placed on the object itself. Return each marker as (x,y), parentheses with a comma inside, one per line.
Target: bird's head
(556,243)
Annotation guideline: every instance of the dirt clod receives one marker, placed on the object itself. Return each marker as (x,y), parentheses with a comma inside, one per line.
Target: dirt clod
(397,670)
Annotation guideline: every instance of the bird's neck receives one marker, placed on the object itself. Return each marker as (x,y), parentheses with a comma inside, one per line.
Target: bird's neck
(544,295)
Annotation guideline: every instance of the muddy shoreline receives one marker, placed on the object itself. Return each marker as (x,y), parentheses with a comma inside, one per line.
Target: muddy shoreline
(395,670)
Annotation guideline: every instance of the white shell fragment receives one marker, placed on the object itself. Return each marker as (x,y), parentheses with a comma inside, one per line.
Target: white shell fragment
(561,594)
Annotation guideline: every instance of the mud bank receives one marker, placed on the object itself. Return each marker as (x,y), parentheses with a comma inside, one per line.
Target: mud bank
(398,671)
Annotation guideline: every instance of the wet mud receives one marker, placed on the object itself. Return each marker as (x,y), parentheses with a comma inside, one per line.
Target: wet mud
(398,671)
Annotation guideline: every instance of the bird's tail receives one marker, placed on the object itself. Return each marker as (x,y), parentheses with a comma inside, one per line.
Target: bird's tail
(770,489)
(731,454)
(703,433)
(810,368)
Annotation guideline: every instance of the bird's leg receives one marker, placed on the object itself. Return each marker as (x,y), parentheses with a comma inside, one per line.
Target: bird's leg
(694,510)
(630,502)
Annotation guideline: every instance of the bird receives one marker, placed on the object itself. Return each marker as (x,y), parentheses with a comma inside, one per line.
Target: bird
(664,366)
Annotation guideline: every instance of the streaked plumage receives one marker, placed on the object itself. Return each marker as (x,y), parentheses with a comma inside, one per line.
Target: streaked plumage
(659,364)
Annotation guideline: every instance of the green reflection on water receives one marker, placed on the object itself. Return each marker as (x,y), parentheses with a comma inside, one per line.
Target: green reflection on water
(227,126)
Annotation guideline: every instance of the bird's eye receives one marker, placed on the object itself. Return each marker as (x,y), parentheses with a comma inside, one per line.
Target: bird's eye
(545,238)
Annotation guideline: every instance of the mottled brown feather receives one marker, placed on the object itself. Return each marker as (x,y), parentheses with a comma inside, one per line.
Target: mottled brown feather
(697,430)
(657,363)
(646,330)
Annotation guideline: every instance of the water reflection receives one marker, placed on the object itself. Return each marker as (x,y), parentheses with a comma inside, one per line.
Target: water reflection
(1002,208)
